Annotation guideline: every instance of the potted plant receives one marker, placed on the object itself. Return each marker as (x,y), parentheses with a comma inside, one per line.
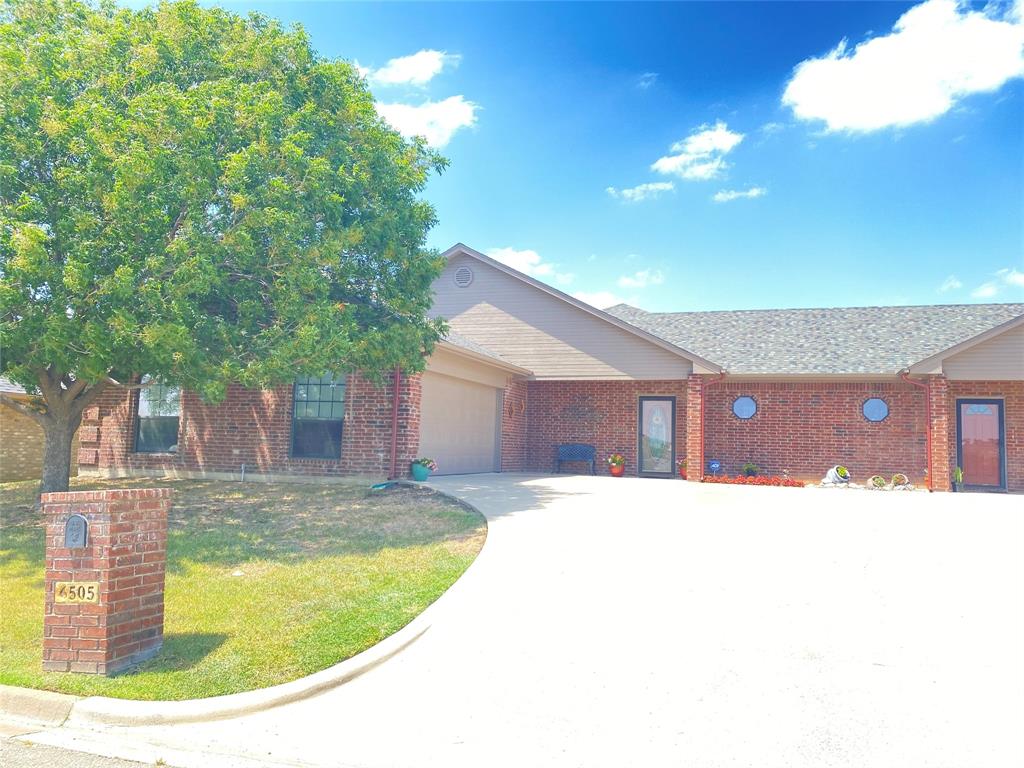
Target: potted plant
(421,469)
(877,481)
(899,480)
(616,464)
(838,475)
(681,467)
(958,480)
(750,469)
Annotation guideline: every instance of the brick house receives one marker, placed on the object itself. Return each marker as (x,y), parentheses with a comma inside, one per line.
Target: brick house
(918,390)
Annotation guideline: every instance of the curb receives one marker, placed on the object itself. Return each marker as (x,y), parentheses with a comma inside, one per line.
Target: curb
(102,710)
(35,707)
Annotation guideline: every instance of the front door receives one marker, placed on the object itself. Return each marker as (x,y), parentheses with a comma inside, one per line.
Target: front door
(981,442)
(657,433)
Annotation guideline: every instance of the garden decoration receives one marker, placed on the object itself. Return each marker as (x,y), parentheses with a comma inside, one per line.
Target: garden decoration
(958,479)
(421,469)
(616,464)
(681,468)
(838,475)
(750,469)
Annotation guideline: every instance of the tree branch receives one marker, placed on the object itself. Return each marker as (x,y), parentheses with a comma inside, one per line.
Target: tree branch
(76,387)
(22,408)
(85,399)
(177,225)
(140,385)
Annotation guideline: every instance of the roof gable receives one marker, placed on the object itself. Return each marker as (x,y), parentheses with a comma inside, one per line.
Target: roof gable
(700,364)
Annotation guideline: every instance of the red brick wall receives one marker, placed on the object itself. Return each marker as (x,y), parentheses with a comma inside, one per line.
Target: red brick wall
(126,553)
(937,395)
(253,427)
(805,428)
(1012,393)
(601,413)
(514,426)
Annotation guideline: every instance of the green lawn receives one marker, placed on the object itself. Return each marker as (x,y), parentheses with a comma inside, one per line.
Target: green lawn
(265,582)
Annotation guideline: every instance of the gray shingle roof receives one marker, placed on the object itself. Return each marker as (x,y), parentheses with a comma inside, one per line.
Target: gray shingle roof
(866,340)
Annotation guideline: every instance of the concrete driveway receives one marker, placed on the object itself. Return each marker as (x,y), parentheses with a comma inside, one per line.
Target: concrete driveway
(626,622)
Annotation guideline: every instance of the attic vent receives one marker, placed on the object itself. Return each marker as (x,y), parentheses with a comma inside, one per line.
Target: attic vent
(463,276)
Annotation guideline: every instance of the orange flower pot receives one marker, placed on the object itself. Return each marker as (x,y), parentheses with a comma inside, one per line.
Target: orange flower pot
(616,469)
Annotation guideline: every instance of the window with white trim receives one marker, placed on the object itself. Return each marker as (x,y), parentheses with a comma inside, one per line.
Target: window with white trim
(158,417)
(318,415)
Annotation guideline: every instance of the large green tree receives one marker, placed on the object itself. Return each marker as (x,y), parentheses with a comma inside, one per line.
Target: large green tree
(200,197)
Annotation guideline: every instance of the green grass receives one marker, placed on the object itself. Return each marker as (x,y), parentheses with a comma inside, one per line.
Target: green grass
(265,582)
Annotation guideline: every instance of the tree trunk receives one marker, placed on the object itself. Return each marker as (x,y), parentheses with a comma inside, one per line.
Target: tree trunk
(57,438)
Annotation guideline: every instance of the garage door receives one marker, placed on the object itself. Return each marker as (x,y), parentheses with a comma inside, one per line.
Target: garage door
(459,424)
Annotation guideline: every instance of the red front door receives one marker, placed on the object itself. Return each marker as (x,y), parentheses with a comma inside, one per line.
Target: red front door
(980,449)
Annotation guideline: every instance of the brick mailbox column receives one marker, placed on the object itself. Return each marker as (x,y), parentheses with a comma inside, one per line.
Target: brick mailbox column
(104,578)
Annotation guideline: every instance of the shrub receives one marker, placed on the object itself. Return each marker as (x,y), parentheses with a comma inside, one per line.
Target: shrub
(750,469)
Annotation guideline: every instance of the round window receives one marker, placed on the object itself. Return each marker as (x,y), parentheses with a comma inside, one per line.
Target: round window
(875,409)
(744,407)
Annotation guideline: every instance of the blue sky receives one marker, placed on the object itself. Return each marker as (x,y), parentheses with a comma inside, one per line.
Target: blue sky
(695,156)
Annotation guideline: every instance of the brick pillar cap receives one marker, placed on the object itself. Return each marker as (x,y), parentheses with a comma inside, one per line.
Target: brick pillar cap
(133,494)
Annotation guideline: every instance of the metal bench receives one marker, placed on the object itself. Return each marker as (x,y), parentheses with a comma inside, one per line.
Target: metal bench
(576,452)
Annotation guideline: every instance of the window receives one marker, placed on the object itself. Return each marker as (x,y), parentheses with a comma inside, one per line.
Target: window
(744,407)
(875,409)
(317,417)
(158,411)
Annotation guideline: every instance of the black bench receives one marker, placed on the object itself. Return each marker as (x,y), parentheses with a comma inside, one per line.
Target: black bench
(576,452)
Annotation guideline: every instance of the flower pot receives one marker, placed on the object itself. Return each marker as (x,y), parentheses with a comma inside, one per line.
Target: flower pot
(616,469)
(682,472)
(419,472)
(958,487)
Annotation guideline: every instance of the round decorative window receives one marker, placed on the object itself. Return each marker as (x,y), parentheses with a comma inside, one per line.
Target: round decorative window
(744,407)
(875,409)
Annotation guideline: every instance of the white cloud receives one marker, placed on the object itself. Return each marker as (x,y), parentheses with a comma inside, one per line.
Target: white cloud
(700,155)
(727,195)
(418,69)
(773,127)
(642,279)
(951,283)
(530,263)
(600,299)
(437,121)
(1011,277)
(1008,277)
(937,53)
(641,192)
(646,80)
(985,291)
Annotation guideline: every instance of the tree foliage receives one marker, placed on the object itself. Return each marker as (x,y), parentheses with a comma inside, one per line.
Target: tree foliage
(199,196)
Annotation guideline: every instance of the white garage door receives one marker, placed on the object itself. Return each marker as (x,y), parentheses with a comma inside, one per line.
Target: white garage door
(459,424)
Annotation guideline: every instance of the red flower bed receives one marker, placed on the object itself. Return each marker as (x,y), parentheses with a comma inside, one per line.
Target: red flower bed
(759,480)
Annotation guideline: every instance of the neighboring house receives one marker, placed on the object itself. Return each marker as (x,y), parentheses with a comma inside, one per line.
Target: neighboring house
(21,441)
(918,390)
